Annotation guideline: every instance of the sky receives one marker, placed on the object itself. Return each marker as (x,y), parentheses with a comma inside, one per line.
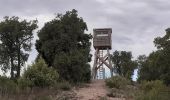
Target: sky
(134,23)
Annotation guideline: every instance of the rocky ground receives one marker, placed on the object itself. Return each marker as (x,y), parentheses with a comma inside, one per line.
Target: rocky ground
(96,90)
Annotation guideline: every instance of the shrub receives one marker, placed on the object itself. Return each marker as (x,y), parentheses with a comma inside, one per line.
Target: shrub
(72,67)
(63,86)
(24,83)
(42,98)
(7,86)
(103,98)
(153,90)
(149,85)
(40,75)
(117,82)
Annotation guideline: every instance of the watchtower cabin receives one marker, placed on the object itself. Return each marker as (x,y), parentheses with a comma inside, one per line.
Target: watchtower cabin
(102,38)
(101,41)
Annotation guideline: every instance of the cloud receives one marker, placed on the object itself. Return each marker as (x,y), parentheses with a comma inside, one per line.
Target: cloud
(134,23)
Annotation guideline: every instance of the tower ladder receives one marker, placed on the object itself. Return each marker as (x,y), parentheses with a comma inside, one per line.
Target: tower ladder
(101,69)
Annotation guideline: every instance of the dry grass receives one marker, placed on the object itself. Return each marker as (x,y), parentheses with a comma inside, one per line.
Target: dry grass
(41,94)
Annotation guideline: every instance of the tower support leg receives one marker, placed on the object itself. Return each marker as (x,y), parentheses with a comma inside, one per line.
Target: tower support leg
(110,64)
(94,69)
(99,61)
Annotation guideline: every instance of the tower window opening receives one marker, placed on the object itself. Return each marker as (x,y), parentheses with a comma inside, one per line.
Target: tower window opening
(102,33)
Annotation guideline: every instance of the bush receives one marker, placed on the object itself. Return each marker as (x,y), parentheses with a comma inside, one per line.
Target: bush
(72,67)
(7,86)
(63,86)
(153,90)
(39,75)
(117,82)
(42,98)
(24,83)
(103,98)
(149,85)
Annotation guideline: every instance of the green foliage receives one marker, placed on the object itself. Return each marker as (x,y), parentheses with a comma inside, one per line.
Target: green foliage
(38,74)
(149,85)
(42,98)
(7,86)
(71,66)
(149,68)
(117,82)
(24,83)
(153,90)
(64,45)
(156,65)
(63,85)
(124,64)
(103,98)
(15,37)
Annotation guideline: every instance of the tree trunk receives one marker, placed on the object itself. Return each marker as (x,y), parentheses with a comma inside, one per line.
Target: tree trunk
(12,68)
(19,61)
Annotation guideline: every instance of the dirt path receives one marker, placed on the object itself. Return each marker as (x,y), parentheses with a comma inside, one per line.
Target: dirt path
(94,91)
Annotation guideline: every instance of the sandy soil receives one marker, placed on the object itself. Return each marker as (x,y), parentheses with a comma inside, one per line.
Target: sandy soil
(94,91)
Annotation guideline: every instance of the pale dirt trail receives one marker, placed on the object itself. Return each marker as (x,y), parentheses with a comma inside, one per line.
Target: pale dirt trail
(94,91)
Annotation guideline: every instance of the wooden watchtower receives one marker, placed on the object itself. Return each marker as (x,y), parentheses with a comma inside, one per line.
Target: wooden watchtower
(102,41)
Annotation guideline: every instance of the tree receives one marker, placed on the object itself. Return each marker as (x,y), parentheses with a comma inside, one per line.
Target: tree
(141,60)
(123,63)
(40,75)
(64,45)
(15,37)
(163,60)
(148,69)
(157,64)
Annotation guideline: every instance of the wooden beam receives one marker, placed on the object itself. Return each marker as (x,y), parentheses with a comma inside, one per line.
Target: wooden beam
(94,70)
(110,63)
(105,58)
(104,62)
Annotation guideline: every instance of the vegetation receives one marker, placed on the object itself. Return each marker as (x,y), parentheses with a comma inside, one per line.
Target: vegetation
(154,72)
(156,65)
(42,98)
(63,85)
(153,90)
(117,82)
(123,63)
(64,56)
(7,86)
(63,59)
(120,87)
(64,46)
(39,75)
(15,37)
